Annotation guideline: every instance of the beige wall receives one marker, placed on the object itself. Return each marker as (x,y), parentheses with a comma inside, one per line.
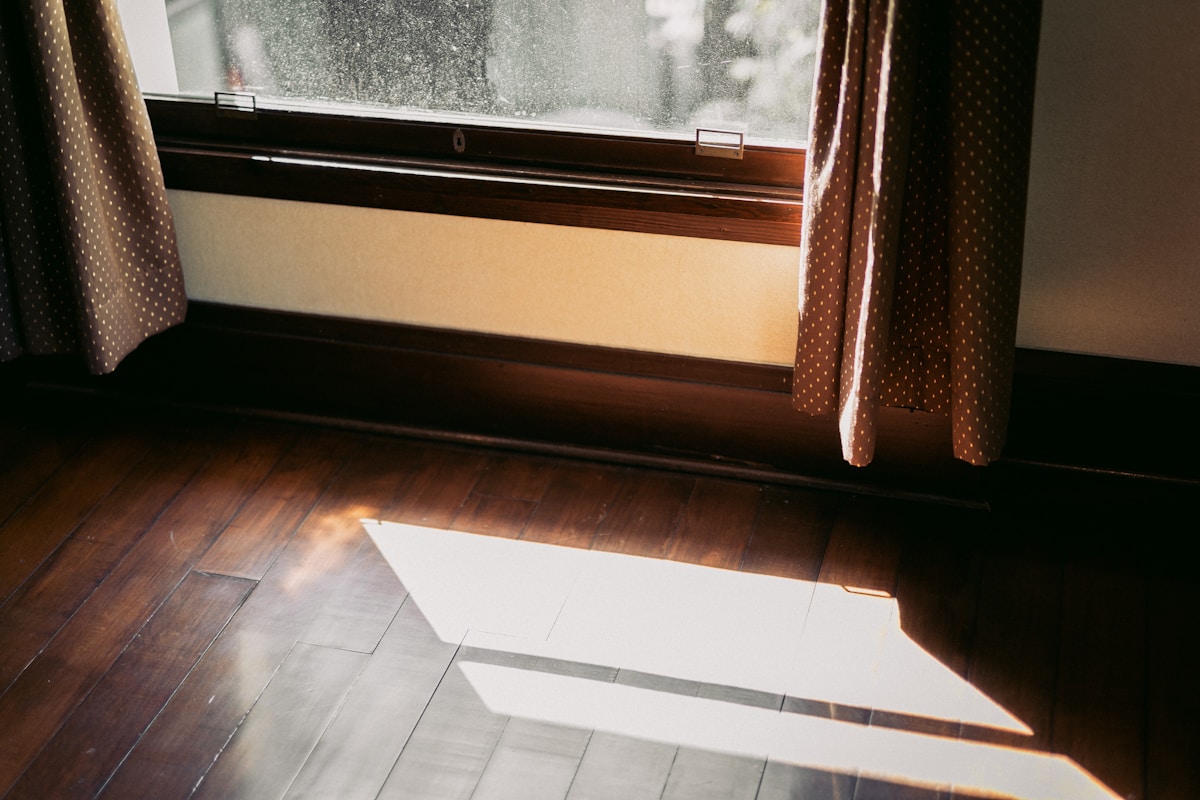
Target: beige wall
(1112,257)
(1112,263)
(667,294)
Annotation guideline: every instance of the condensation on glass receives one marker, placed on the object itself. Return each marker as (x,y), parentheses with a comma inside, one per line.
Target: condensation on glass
(621,65)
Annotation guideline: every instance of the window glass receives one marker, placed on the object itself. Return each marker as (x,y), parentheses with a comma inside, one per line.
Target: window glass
(622,65)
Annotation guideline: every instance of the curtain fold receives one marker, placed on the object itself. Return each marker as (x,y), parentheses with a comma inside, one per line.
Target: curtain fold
(914,212)
(88,262)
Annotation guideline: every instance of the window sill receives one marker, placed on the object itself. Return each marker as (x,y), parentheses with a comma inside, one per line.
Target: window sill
(659,187)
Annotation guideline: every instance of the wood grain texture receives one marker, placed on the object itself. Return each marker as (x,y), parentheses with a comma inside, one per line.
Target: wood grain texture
(1100,696)
(359,748)
(644,515)
(618,766)
(782,781)
(615,765)
(577,499)
(936,595)
(271,744)
(846,629)
(35,613)
(713,776)
(32,533)
(865,546)
(504,497)
(535,759)
(717,522)
(1173,697)
(125,701)
(505,517)
(95,636)
(454,740)
(251,542)
(791,533)
(698,773)
(27,459)
(1014,658)
(290,604)
(441,482)
(331,672)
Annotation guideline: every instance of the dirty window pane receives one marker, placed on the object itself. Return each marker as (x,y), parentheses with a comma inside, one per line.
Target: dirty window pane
(622,65)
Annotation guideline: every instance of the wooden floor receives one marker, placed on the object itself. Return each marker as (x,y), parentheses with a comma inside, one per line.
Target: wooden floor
(212,607)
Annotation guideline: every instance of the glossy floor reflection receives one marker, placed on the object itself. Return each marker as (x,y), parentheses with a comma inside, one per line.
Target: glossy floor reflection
(706,661)
(212,608)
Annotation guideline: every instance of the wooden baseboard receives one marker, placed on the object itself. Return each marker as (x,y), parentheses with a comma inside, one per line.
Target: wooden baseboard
(652,409)
(691,414)
(1106,414)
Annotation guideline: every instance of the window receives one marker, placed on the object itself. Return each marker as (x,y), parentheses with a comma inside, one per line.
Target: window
(566,111)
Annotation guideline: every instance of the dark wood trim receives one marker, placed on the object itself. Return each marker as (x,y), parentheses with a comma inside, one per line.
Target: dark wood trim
(487,142)
(703,212)
(587,180)
(1105,414)
(653,409)
(353,333)
(695,415)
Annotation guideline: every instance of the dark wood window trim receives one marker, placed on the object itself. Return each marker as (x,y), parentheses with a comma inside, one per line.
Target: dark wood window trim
(651,184)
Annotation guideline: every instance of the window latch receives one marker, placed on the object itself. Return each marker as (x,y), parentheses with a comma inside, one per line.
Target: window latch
(236,104)
(716,143)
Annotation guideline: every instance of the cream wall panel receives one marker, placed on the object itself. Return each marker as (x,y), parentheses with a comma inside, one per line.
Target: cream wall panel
(667,294)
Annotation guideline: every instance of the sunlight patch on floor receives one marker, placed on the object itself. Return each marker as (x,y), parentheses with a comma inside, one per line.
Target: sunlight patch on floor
(768,635)
(882,753)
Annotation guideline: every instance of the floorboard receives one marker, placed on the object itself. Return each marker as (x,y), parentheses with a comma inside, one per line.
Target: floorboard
(791,533)
(936,595)
(450,748)
(271,745)
(287,604)
(200,605)
(615,765)
(844,634)
(537,760)
(494,516)
(644,515)
(1100,697)
(1014,654)
(27,459)
(39,526)
(1173,697)
(86,647)
(35,613)
(576,501)
(359,748)
(441,482)
(252,541)
(127,698)
(698,773)
(717,522)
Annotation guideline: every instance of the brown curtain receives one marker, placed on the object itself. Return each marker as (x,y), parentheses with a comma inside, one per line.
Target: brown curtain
(914,215)
(88,263)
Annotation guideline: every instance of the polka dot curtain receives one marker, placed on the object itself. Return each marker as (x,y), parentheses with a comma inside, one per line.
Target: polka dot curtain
(915,191)
(88,263)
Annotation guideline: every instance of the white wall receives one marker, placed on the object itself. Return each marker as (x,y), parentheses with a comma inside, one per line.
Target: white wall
(149,38)
(1112,256)
(1112,262)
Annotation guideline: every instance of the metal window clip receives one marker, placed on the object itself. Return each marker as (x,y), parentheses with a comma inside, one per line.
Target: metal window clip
(719,144)
(236,104)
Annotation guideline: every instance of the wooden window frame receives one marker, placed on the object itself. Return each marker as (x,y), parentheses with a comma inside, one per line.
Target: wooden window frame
(476,168)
